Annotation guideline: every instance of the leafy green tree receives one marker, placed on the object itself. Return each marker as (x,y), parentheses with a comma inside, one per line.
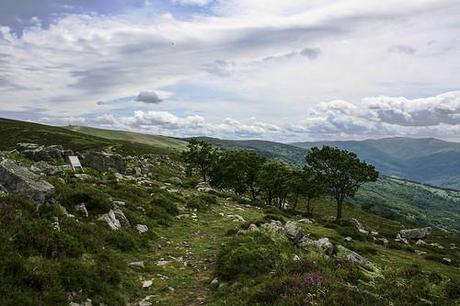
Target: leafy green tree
(199,157)
(341,172)
(303,184)
(237,170)
(273,182)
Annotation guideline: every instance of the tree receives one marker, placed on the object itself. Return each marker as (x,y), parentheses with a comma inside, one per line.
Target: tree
(304,184)
(340,172)
(199,156)
(273,181)
(237,170)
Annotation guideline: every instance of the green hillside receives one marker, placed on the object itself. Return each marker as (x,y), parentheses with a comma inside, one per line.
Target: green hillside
(428,160)
(13,131)
(400,199)
(178,241)
(152,140)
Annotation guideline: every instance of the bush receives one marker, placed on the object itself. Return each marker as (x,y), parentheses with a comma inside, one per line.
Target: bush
(163,202)
(251,255)
(201,202)
(122,240)
(96,201)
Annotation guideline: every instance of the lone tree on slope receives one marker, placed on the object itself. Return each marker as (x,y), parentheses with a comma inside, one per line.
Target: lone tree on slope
(340,172)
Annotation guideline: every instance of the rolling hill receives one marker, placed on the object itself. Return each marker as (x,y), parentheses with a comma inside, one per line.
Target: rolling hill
(152,140)
(430,161)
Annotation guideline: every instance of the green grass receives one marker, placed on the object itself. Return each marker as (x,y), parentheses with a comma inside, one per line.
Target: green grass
(152,140)
(12,132)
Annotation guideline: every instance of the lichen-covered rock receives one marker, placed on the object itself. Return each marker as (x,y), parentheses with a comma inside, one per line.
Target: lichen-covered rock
(273,227)
(121,217)
(104,161)
(415,233)
(42,153)
(293,231)
(81,209)
(111,220)
(22,182)
(323,244)
(142,228)
(352,256)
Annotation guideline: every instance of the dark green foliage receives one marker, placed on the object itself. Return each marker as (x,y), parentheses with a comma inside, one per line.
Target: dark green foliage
(96,201)
(201,202)
(165,203)
(199,157)
(340,171)
(251,255)
(273,182)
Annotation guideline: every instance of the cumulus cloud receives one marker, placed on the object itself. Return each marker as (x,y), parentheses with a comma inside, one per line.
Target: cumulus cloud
(149,97)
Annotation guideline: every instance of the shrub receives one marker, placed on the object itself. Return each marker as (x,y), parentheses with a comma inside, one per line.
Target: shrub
(122,240)
(96,201)
(201,202)
(251,255)
(163,202)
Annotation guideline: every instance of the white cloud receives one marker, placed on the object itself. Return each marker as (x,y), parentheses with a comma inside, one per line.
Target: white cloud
(241,59)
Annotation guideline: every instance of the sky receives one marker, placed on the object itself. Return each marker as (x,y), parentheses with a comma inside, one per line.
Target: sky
(292,70)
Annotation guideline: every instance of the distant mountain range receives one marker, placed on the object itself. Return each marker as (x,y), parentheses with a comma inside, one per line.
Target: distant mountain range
(427,160)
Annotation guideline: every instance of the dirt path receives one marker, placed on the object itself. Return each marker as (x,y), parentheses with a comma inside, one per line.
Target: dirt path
(181,266)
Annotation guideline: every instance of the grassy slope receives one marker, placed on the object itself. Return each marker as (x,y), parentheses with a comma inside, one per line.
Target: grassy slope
(12,132)
(153,140)
(199,240)
(412,201)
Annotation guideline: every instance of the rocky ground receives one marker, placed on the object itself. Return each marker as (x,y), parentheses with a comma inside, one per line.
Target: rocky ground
(133,230)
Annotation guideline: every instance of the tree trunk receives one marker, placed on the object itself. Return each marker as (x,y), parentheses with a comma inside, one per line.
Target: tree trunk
(339,210)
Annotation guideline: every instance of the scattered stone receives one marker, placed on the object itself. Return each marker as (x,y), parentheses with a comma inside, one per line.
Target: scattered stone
(104,161)
(170,289)
(147,284)
(82,210)
(118,203)
(348,239)
(142,228)
(273,226)
(447,260)
(236,218)
(343,252)
(437,245)
(419,253)
(121,217)
(138,264)
(359,226)
(253,228)
(162,262)
(374,233)
(174,180)
(111,220)
(420,242)
(296,258)
(214,283)
(416,233)
(306,221)
(382,241)
(56,225)
(88,302)
(20,181)
(293,231)
(323,244)
(83,177)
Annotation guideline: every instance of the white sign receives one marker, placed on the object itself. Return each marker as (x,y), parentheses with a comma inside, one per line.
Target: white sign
(75,162)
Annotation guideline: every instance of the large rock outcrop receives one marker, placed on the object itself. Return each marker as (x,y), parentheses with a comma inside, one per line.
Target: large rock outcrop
(415,233)
(42,153)
(104,161)
(20,181)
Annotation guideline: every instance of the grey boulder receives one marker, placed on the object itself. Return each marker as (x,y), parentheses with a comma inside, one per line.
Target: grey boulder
(415,233)
(20,181)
